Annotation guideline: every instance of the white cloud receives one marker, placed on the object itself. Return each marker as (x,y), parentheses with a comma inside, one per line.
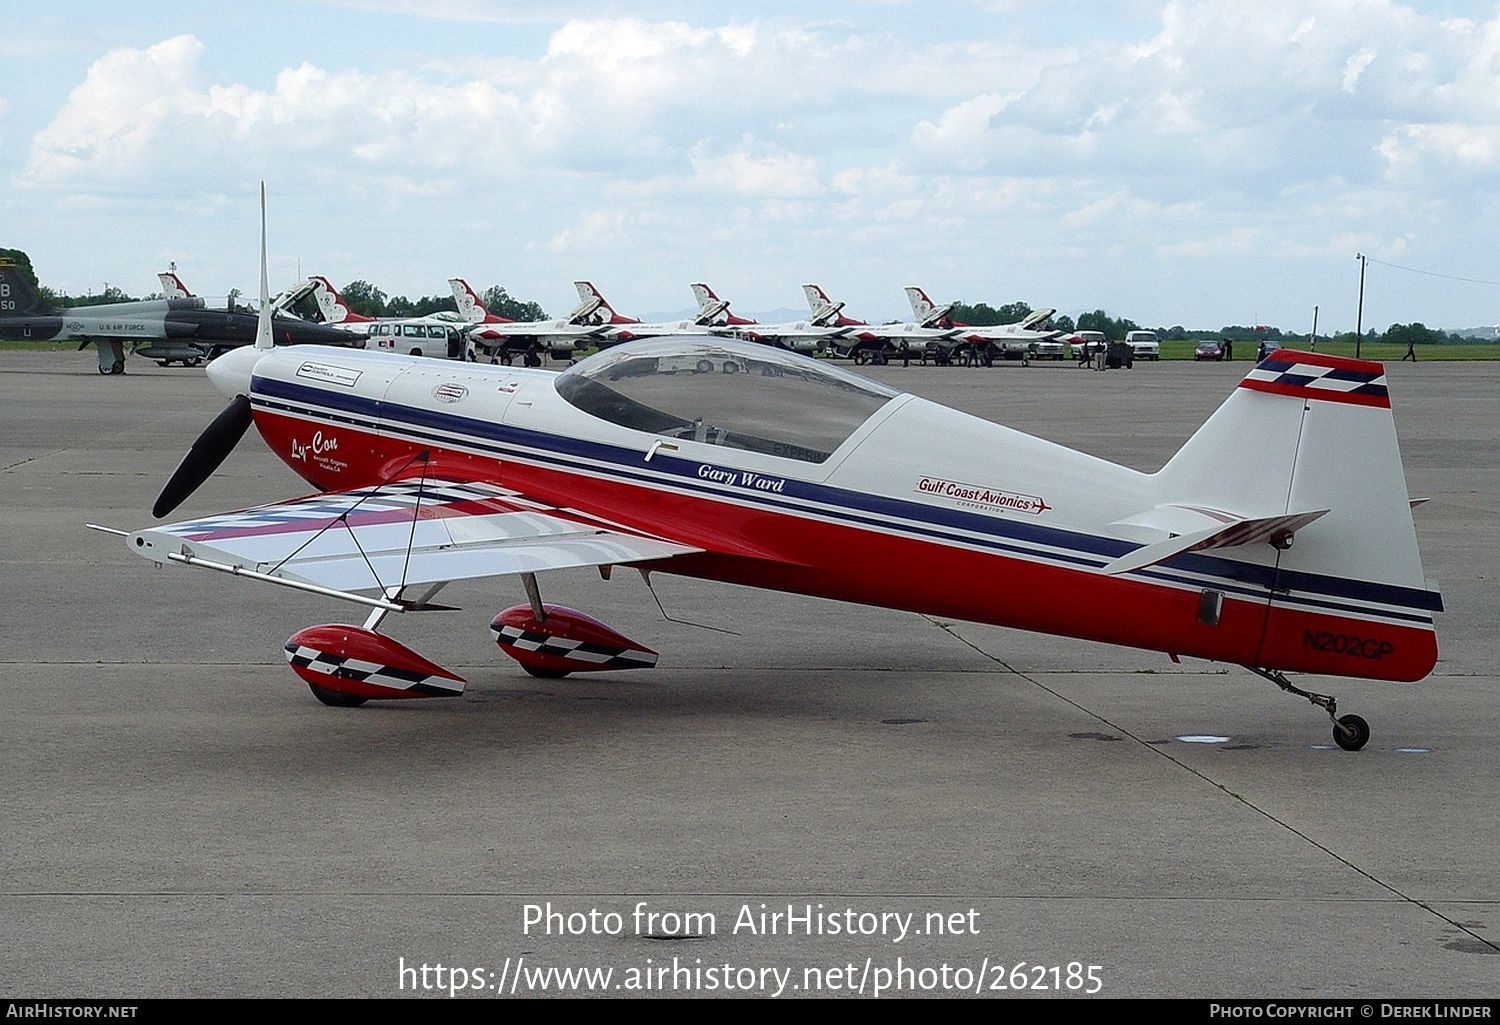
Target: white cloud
(1285,126)
(780,175)
(1354,67)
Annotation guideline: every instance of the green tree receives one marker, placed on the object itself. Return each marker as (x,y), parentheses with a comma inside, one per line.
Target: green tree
(364,298)
(502,304)
(1098,320)
(1415,333)
(985,315)
(1063,322)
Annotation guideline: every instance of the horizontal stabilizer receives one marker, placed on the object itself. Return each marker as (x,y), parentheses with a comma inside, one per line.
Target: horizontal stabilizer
(1264,529)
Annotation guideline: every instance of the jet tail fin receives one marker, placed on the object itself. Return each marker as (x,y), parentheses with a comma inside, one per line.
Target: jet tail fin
(470,306)
(172,286)
(17,296)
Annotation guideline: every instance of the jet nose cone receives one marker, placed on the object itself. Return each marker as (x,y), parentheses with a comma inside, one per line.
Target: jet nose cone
(230,373)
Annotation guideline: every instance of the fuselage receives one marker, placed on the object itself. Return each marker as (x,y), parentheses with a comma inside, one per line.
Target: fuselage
(916,506)
(185,320)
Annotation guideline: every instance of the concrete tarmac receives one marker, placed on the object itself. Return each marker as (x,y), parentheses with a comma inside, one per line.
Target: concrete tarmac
(183,819)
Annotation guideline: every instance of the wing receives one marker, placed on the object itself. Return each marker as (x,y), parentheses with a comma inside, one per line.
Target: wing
(398,534)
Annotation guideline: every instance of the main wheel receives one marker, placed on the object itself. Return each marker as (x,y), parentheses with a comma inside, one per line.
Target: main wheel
(335,698)
(1351,732)
(545,674)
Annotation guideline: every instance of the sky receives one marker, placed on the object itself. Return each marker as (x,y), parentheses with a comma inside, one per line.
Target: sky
(1196,163)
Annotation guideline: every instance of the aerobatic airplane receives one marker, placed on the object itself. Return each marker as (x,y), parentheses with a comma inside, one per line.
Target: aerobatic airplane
(736,462)
(167,330)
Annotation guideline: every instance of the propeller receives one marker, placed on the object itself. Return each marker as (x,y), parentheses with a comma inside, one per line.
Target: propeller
(211,449)
(213,446)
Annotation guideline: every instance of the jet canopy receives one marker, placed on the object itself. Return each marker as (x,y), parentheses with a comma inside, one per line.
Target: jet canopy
(725,392)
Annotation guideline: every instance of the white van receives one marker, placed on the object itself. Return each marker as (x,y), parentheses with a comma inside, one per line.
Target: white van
(1144,344)
(412,339)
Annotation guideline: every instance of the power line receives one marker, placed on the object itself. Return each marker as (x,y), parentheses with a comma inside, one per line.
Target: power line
(1433,274)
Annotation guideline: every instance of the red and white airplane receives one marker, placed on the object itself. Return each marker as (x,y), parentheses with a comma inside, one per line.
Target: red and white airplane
(592,322)
(872,343)
(982,344)
(743,463)
(620,328)
(798,335)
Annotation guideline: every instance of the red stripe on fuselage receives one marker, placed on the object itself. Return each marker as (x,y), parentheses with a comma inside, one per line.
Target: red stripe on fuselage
(868,566)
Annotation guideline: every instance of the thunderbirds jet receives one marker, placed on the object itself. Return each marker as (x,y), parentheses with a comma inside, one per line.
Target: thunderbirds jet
(742,463)
(592,322)
(983,344)
(871,343)
(167,330)
(504,339)
(619,328)
(800,335)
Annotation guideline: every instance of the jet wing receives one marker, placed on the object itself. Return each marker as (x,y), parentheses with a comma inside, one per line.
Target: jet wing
(397,534)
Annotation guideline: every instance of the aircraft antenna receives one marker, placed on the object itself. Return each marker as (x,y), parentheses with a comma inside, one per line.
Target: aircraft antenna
(263,339)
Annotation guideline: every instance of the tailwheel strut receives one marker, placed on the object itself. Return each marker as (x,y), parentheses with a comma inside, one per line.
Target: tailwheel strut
(1350,732)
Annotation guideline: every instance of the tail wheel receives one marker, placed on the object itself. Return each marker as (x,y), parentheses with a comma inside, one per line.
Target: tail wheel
(334,698)
(1351,732)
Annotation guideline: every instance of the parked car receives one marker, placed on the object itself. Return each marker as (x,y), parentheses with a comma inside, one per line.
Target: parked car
(1144,345)
(1208,350)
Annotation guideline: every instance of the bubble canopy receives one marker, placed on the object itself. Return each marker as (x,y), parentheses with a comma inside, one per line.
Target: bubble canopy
(725,392)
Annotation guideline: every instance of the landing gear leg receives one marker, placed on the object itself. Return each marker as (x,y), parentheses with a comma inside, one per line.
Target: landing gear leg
(1350,732)
(534,597)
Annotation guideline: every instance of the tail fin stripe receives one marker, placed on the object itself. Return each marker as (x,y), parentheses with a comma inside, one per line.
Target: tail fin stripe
(1331,378)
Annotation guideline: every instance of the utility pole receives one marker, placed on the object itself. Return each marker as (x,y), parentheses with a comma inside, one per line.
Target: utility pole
(1314,345)
(1359,317)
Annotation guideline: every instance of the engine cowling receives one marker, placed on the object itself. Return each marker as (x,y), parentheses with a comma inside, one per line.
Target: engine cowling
(364,664)
(566,641)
